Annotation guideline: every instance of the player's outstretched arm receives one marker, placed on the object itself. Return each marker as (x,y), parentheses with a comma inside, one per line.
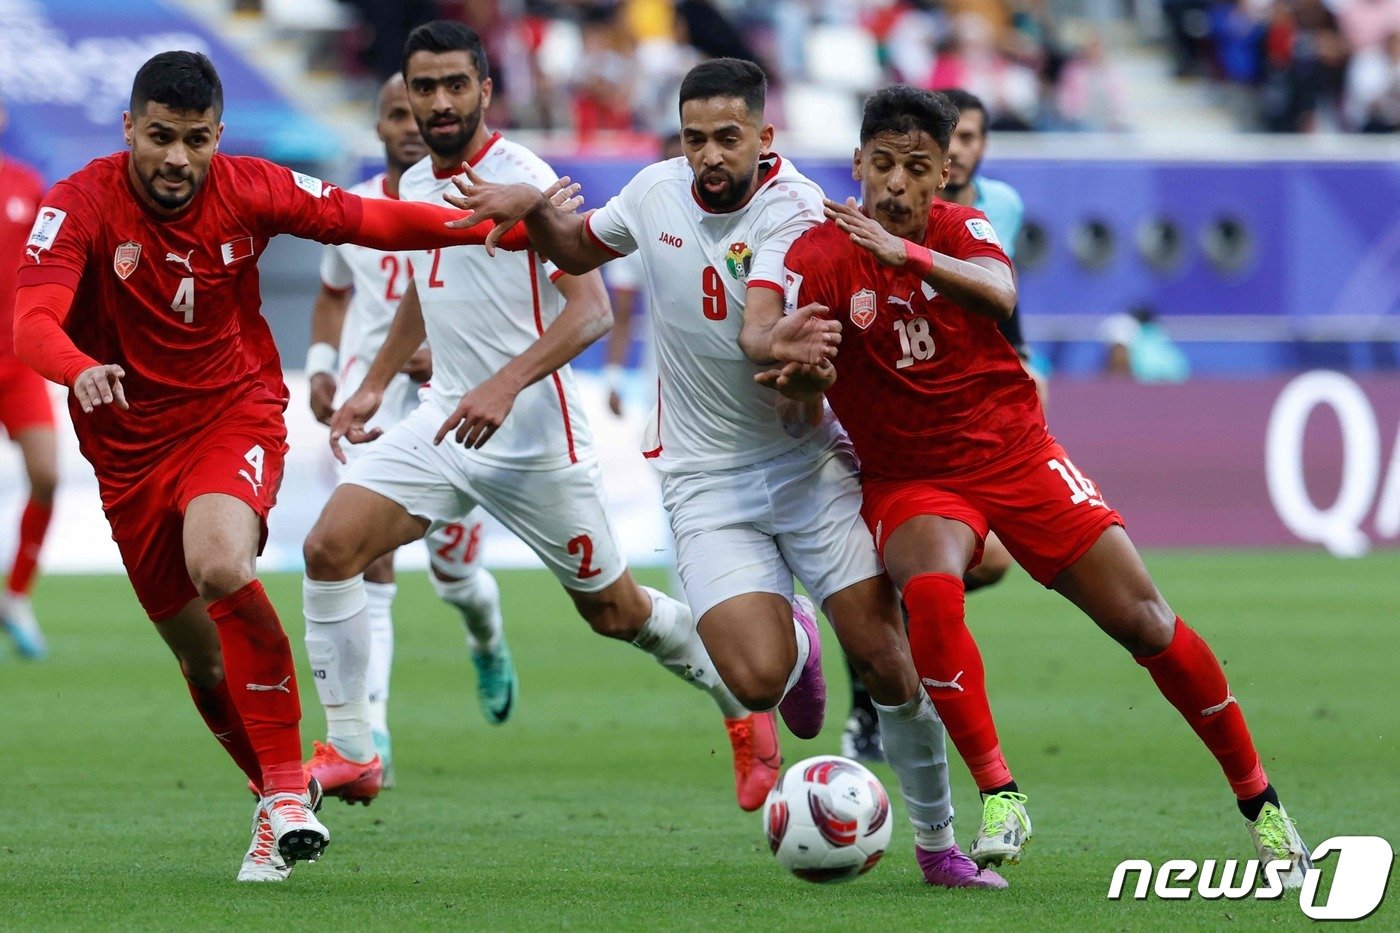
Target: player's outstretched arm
(406,335)
(586,317)
(981,284)
(43,345)
(553,228)
(327,321)
(807,335)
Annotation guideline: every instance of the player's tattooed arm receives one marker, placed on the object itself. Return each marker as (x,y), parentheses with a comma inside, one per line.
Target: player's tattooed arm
(807,335)
(406,335)
(555,230)
(586,317)
(982,285)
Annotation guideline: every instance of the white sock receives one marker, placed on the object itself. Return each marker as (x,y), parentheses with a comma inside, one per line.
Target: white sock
(478,599)
(914,747)
(381,651)
(804,651)
(670,636)
(337,645)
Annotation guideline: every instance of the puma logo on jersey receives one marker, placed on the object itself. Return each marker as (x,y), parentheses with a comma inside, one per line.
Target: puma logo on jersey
(670,239)
(32,253)
(182,260)
(1219,707)
(907,303)
(944,684)
(255,483)
(266,688)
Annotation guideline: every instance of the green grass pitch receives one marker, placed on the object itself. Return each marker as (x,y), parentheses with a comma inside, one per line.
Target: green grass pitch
(607,801)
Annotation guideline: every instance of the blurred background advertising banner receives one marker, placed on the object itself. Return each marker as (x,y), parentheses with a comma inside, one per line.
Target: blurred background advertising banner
(66,68)
(1312,461)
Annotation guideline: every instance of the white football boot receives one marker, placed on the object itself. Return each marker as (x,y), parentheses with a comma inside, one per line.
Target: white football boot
(263,862)
(300,836)
(1005,830)
(1276,838)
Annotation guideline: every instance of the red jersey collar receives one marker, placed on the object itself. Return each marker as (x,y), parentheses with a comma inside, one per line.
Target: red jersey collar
(767,177)
(384,187)
(480,154)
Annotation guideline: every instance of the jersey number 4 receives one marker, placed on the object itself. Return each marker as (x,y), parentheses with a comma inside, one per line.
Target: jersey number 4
(183,302)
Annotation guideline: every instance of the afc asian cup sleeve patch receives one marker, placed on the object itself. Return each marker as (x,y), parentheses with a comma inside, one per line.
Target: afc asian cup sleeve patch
(982,230)
(312,186)
(45,229)
(792,287)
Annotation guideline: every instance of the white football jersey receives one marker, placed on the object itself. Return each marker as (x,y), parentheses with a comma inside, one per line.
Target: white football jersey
(481,312)
(379,280)
(698,266)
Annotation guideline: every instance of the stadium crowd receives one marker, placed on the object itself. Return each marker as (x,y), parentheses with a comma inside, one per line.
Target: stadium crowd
(1295,65)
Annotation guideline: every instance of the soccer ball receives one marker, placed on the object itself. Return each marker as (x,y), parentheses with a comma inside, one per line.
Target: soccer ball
(828,819)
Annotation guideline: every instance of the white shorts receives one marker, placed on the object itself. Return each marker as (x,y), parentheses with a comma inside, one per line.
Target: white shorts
(752,529)
(559,513)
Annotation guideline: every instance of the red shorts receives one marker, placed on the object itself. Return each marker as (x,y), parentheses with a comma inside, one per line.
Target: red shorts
(1045,511)
(24,398)
(241,456)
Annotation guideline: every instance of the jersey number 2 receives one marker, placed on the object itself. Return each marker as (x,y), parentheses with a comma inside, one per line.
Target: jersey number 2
(582,545)
(716,302)
(183,302)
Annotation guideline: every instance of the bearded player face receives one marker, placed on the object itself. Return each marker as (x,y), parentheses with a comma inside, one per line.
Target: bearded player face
(448,99)
(170,152)
(723,141)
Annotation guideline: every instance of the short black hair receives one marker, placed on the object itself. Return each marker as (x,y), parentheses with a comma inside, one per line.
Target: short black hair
(726,77)
(444,35)
(906,110)
(181,81)
(965,101)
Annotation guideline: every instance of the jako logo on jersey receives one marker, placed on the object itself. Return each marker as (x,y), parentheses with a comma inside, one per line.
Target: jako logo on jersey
(46,227)
(982,230)
(863,308)
(1358,886)
(670,239)
(234,250)
(126,259)
(739,260)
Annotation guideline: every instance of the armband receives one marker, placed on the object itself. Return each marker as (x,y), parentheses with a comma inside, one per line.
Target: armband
(321,358)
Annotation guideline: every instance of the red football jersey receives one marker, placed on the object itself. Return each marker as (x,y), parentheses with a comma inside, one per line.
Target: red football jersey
(924,388)
(173,300)
(20,191)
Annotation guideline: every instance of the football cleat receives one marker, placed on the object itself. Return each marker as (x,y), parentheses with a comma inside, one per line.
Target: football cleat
(496,683)
(1276,838)
(263,862)
(861,741)
(1005,830)
(299,835)
(756,757)
(951,869)
(17,615)
(804,707)
(338,776)
(313,790)
(384,748)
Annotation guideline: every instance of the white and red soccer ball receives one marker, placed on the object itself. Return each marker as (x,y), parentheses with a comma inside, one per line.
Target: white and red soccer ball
(827,819)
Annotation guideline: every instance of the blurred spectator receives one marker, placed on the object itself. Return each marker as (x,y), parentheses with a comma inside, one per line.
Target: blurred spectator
(1305,57)
(1373,87)
(387,24)
(973,61)
(1366,23)
(1139,347)
(1091,94)
(1189,35)
(603,79)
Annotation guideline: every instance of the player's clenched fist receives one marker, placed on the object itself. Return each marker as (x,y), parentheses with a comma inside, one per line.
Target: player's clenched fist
(349,421)
(100,385)
(322,386)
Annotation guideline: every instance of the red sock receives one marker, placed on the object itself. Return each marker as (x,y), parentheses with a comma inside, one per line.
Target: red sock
(945,651)
(33,525)
(1192,680)
(215,704)
(263,684)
